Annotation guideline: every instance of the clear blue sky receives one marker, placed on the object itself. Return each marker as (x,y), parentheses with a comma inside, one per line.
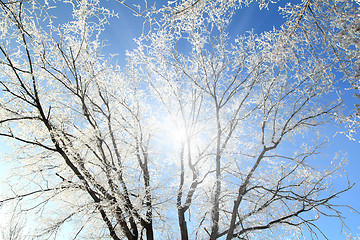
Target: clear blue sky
(120,34)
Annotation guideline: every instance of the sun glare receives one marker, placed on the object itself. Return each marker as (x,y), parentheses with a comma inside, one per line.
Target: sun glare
(178,133)
(174,131)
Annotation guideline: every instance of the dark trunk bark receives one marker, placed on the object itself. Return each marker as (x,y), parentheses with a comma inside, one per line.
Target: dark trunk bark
(182,224)
(215,211)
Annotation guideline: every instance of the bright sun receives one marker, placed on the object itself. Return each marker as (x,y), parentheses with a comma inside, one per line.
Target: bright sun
(174,131)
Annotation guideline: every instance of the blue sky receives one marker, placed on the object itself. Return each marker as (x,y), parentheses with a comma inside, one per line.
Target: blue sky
(120,34)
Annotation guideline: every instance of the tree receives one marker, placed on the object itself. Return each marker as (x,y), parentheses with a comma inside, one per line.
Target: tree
(214,134)
(14,228)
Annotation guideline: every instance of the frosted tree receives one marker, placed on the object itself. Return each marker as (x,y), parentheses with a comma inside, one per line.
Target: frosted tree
(248,99)
(12,225)
(201,135)
(333,29)
(77,118)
